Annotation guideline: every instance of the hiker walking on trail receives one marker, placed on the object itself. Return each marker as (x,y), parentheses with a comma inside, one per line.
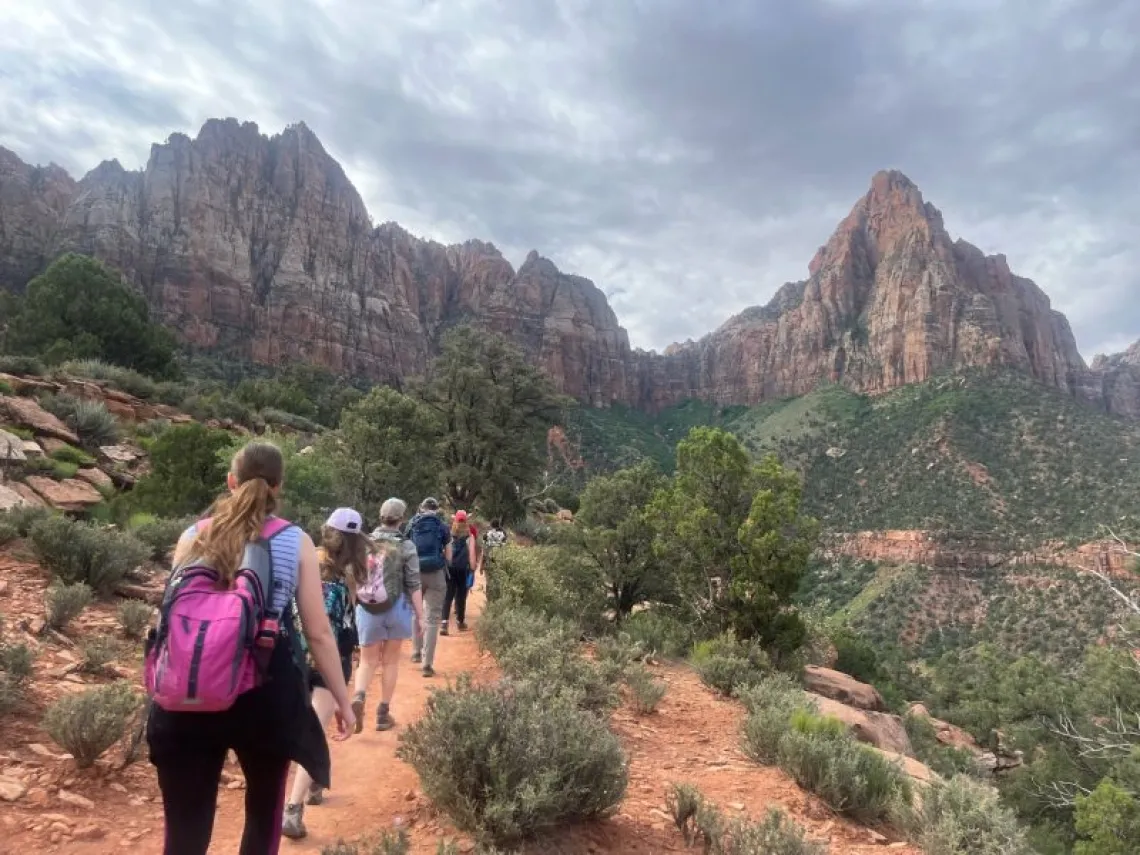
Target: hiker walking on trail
(344,561)
(460,571)
(225,669)
(494,537)
(433,546)
(386,606)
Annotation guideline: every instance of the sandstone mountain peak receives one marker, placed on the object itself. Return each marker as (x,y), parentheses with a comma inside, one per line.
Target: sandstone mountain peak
(259,247)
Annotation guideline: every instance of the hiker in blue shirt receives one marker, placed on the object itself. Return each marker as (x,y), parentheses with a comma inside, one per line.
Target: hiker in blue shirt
(433,546)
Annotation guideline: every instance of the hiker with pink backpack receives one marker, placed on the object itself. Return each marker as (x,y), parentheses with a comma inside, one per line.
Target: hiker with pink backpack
(386,605)
(225,668)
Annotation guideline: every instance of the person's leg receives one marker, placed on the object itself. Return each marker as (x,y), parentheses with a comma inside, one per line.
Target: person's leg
(391,653)
(265,778)
(433,585)
(448,599)
(189,784)
(325,705)
(461,601)
(369,662)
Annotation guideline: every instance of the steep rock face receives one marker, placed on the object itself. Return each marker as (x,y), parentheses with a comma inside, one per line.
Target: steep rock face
(261,249)
(890,300)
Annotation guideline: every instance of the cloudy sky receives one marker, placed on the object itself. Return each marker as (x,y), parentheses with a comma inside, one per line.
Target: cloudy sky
(687,155)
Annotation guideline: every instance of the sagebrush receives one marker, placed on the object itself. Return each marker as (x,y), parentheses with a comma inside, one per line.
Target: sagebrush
(80,552)
(510,760)
(88,723)
(134,617)
(64,603)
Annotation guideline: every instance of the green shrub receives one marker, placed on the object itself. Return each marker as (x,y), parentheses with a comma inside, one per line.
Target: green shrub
(946,760)
(726,673)
(61,470)
(66,602)
(78,552)
(700,821)
(10,693)
(503,626)
(94,424)
(619,651)
(89,723)
(126,379)
(160,535)
(96,653)
(510,760)
(550,580)
(775,691)
(645,691)
(71,454)
(6,389)
(855,656)
(852,778)
(25,365)
(16,662)
(546,661)
(135,617)
(23,518)
(187,471)
(660,632)
(8,533)
(964,817)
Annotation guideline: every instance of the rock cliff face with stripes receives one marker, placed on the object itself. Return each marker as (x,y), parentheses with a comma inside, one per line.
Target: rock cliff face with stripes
(261,249)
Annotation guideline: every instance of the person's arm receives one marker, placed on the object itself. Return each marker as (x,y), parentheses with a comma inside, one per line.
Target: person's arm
(471,554)
(412,583)
(318,633)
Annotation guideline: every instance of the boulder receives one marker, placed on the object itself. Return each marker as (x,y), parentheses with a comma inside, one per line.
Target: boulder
(119,453)
(96,478)
(11,789)
(25,385)
(11,448)
(917,771)
(875,728)
(843,688)
(9,498)
(33,448)
(30,496)
(566,515)
(27,413)
(68,495)
(946,733)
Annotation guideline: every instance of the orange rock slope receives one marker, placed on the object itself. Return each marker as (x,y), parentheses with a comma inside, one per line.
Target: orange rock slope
(261,248)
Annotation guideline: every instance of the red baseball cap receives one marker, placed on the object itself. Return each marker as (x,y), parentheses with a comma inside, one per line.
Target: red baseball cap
(460,516)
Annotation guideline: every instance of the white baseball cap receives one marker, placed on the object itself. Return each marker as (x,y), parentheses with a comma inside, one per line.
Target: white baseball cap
(346,520)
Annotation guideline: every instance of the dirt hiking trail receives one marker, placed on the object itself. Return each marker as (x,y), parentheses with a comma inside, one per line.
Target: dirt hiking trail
(694,737)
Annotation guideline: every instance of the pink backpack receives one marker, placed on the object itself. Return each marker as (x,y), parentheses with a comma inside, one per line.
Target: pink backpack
(212,644)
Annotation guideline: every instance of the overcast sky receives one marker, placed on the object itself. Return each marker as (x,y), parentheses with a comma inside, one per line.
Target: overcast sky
(689,156)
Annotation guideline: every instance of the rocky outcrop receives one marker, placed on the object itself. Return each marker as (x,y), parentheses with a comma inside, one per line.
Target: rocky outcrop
(1114,382)
(25,412)
(842,687)
(260,248)
(881,730)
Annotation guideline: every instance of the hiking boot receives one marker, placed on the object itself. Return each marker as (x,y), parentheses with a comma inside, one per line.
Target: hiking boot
(462,626)
(443,628)
(358,711)
(384,720)
(316,794)
(417,658)
(293,824)
(429,671)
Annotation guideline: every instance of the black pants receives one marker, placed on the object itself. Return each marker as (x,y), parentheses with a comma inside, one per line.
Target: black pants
(190,794)
(457,593)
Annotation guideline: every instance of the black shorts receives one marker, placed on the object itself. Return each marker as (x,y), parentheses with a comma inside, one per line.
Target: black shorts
(316,681)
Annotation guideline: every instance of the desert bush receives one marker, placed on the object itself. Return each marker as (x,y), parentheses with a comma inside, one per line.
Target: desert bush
(503,626)
(8,532)
(854,779)
(88,723)
(62,470)
(96,653)
(66,602)
(964,817)
(618,652)
(134,617)
(160,535)
(508,761)
(126,379)
(29,365)
(23,518)
(6,388)
(94,424)
(660,632)
(550,580)
(78,552)
(71,454)
(16,662)
(727,665)
(10,693)
(700,821)
(645,691)
(775,691)
(544,660)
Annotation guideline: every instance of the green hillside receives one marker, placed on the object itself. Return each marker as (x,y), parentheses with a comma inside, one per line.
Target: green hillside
(988,452)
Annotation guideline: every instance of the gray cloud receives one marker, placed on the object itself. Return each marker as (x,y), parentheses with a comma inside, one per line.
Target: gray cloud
(687,157)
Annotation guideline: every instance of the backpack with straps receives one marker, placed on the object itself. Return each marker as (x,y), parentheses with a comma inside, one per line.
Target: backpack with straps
(427,533)
(385,573)
(213,643)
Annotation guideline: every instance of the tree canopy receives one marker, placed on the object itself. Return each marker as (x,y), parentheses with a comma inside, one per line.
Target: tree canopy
(78,308)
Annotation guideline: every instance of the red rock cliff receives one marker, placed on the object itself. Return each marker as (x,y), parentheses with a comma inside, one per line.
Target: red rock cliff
(261,248)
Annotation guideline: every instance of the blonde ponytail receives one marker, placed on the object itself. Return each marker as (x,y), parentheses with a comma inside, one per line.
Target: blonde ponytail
(238,517)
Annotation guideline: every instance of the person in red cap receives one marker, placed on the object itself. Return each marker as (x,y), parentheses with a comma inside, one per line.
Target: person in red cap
(460,571)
